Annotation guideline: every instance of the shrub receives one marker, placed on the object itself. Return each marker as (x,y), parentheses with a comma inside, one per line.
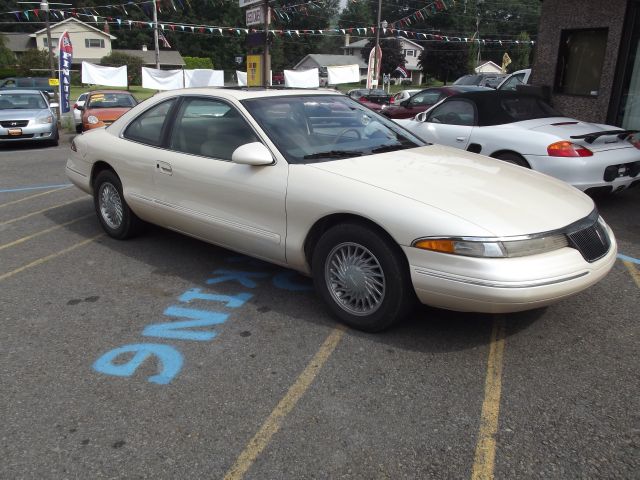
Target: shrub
(191,63)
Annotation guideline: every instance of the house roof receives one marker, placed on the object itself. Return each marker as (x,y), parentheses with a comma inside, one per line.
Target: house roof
(322,60)
(363,42)
(167,57)
(75,20)
(18,42)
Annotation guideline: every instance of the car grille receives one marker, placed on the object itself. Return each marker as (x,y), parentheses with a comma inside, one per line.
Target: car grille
(592,242)
(14,123)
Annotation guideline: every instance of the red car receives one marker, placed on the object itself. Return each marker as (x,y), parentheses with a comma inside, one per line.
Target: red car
(424,100)
(375,99)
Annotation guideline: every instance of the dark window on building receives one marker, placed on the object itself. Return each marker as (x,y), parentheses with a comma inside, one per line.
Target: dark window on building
(580,61)
(93,43)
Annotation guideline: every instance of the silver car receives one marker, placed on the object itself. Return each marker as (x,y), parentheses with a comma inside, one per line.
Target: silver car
(26,115)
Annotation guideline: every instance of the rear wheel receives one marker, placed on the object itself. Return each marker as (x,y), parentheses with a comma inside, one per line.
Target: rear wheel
(114,214)
(362,277)
(513,158)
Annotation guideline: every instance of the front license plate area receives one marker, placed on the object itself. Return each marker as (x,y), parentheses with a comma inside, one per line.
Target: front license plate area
(15,132)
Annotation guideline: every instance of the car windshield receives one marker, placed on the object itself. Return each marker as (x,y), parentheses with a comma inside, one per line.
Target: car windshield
(319,128)
(527,108)
(111,100)
(468,80)
(22,101)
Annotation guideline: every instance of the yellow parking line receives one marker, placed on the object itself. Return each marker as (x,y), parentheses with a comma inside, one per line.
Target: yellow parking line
(6,222)
(484,460)
(48,257)
(42,232)
(32,196)
(635,273)
(273,423)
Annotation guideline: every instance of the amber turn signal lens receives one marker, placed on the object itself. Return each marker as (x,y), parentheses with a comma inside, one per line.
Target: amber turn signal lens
(445,246)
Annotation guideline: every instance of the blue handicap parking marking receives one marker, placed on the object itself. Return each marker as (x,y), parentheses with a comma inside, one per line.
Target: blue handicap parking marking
(231,301)
(170,361)
(242,277)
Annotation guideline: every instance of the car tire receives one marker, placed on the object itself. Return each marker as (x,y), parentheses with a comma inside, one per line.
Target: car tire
(114,214)
(513,158)
(79,128)
(56,140)
(356,259)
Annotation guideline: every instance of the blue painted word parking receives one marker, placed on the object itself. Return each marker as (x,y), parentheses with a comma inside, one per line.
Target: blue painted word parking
(192,324)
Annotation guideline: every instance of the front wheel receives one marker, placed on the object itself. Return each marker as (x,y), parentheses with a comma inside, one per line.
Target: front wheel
(114,214)
(362,277)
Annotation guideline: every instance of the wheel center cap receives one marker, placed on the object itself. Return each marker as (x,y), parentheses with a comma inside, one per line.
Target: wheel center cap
(355,278)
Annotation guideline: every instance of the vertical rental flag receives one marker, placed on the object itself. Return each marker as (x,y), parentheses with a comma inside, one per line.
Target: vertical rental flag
(65,55)
(371,82)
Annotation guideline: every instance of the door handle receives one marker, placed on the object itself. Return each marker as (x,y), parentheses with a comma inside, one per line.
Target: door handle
(461,139)
(164,167)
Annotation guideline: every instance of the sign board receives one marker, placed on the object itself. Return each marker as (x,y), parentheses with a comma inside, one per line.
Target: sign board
(54,82)
(246,3)
(254,70)
(65,57)
(239,59)
(255,16)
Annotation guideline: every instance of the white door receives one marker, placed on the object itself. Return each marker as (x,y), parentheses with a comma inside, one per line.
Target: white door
(450,123)
(208,196)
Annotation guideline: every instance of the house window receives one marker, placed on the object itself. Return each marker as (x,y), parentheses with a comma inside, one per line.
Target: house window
(410,53)
(580,61)
(54,42)
(93,43)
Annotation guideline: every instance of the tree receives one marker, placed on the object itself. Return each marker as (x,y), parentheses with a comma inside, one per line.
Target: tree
(34,63)
(7,58)
(357,13)
(521,52)
(197,62)
(134,66)
(444,61)
(392,55)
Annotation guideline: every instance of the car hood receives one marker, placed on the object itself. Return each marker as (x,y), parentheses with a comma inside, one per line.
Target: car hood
(499,197)
(21,114)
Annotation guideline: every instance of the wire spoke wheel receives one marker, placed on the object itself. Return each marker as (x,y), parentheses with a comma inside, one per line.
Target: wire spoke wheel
(110,204)
(355,278)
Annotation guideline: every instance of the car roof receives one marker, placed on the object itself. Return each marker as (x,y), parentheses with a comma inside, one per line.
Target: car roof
(244,93)
(19,90)
(487,104)
(109,91)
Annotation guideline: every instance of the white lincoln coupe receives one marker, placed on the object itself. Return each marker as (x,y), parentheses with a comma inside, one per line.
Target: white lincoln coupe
(316,182)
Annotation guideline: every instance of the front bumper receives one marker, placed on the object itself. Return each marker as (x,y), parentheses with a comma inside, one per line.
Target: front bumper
(591,172)
(502,285)
(30,133)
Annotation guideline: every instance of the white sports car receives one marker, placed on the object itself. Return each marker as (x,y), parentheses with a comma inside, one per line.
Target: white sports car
(524,130)
(316,182)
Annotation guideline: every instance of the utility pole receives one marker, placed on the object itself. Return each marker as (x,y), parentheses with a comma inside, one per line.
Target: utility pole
(155,34)
(266,69)
(375,54)
(44,5)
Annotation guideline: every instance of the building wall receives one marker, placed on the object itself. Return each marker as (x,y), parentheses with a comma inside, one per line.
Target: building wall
(559,15)
(77,33)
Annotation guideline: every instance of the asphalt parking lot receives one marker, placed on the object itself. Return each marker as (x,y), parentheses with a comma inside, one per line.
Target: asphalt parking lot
(99,380)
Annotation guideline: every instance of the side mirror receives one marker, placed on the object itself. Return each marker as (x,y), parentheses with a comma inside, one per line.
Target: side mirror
(405,103)
(255,154)
(80,107)
(53,105)
(421,117)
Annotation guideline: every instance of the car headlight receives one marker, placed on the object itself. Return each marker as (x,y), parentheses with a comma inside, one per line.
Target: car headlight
(494,247)
(44,120)
(92,119)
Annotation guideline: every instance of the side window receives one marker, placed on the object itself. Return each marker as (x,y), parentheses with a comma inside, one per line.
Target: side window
(209,127)
(454,112)
(425,98)
(513,82)
(147,128)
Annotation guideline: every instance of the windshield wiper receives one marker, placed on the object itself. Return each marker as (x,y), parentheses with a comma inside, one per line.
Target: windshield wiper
(334,154)
(391,148)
